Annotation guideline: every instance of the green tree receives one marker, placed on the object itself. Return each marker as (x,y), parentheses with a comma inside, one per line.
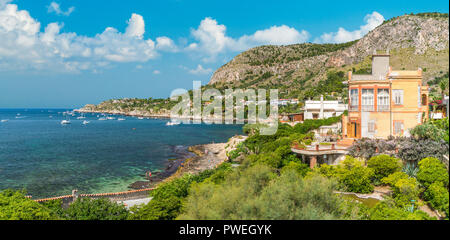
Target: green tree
(96,209)
(432,170)
(15,206)
(384,165)
(437,196)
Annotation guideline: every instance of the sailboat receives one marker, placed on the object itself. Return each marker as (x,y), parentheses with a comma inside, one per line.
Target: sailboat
(172,123)
(65,122)
(81,117)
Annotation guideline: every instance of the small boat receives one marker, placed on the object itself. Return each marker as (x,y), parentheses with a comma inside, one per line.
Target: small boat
(110,118)
(172,123)
(85,122)
(121,119)
(4,120)
(140,118)
(65,122)
(102,119)
(81,117)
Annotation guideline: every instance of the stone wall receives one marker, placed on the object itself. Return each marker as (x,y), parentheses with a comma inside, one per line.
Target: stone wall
(119,196)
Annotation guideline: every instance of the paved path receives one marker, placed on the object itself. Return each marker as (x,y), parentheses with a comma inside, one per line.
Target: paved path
(131,203)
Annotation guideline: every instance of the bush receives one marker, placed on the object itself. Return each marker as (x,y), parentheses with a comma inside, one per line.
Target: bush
(432,170)
(392,179)
(388,211)
(437,196)
(258,194)
(436,130)
(405,190)
(409,149)
(357,179)
(301,168)
(95,209)
(15,206)
(384,165)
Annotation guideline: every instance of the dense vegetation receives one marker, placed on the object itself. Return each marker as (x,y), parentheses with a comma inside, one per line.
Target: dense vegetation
(264,180)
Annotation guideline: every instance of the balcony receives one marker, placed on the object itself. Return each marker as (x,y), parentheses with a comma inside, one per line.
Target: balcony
(367,108)
(383,108)
(353,108)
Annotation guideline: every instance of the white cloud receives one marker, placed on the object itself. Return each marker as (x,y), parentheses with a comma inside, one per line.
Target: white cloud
(200,70)
(166,44)
(156,72)
(56,8)
(212,39)
(372,21)
(24,46)
(282,35)
(136,26)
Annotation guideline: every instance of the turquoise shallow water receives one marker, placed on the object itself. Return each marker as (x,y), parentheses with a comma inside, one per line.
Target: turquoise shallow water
(49,159)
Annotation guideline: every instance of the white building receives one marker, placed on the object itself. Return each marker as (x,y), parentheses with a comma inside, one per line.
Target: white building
(323,109)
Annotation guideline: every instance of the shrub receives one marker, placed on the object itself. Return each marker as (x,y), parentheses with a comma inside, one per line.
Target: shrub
(15,206)
(258,194)
(410,169)
(388,211)
(384,165)
(432,170)
(357,179)
(410,149)
(435,130)
(405,190)
(437,196)
(96,209)
(392,179)
(301,168)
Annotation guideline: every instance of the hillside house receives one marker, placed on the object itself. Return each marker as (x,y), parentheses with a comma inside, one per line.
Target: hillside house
(386,102)
(323,109)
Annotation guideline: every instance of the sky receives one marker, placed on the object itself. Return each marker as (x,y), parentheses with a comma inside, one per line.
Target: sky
(68,53)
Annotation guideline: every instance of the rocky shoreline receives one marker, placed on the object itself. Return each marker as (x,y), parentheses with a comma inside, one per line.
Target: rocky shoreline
(193,160)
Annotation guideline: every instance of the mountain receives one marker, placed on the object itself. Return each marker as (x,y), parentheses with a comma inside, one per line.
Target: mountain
(305,70)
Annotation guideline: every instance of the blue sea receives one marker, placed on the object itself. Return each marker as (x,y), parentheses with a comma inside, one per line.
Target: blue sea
(48,159)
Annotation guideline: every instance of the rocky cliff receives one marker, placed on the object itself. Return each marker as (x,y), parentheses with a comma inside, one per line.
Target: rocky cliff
(413,40)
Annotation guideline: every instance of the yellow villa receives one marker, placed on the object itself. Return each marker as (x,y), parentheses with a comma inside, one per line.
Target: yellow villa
(386,103)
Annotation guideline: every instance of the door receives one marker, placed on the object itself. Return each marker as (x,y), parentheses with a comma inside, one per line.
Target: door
(353,130)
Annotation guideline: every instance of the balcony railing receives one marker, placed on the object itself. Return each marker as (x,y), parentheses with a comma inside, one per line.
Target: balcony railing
(383,108)
(353,108)
(367,108)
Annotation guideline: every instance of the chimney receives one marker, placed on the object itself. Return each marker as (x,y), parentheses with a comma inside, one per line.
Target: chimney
(380,65)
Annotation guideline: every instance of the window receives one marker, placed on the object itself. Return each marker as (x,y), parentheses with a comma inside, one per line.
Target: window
(418,96)
(367,101)
(383,100)
(398,96)
(371,126)
(424,99)
(398,128)
(354,99)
